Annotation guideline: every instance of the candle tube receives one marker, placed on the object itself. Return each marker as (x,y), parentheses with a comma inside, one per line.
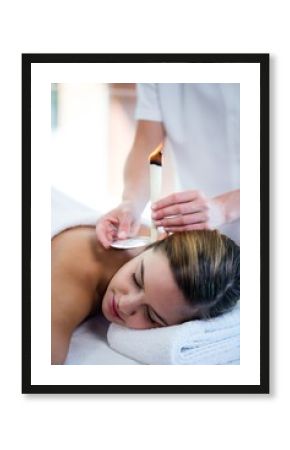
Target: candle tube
(155,160)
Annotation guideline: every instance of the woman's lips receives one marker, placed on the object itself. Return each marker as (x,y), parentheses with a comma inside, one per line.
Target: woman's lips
(114,310)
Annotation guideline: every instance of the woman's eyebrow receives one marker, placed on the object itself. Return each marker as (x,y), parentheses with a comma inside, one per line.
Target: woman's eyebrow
(142,271)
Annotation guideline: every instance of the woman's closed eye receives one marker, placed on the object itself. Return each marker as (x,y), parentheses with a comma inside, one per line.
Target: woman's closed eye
(148,314)
(151,319)
(135,281)
(138,277)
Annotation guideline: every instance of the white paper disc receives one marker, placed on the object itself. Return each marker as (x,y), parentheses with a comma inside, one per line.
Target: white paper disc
(139,241)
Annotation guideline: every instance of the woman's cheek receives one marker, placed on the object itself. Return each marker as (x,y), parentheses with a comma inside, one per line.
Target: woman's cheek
(140,323)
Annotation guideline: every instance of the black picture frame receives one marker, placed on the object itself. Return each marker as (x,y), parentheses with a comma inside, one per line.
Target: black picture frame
(263,61)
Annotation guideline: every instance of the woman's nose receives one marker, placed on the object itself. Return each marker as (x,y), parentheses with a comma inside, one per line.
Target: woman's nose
(129,305)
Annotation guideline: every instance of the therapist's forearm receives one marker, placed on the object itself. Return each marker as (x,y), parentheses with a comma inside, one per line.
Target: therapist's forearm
(230,205)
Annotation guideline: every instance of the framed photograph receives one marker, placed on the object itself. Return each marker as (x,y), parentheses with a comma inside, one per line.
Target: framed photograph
(170,152)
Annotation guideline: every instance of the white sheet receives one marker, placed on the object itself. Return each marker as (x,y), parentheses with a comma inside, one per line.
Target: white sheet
(89,345)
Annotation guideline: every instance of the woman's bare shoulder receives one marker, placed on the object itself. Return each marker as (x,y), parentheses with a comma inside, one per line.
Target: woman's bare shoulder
(74,271)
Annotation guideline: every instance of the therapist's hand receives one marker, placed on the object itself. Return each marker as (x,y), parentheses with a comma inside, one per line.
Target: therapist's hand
(119,223)
(192,210)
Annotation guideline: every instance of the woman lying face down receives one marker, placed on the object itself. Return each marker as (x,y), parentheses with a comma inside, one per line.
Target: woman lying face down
(186,276)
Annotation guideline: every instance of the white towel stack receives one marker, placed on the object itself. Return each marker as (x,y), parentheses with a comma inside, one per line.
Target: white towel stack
(204,342)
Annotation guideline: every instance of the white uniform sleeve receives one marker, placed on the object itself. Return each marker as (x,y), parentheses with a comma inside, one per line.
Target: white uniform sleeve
(148,106)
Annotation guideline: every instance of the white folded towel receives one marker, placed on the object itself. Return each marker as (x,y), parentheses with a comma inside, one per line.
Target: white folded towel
(212,341)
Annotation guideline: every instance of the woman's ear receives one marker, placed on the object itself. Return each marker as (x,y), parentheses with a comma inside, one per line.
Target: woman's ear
(163,235)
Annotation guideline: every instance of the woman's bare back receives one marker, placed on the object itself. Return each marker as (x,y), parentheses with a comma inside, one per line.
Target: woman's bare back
(80,272)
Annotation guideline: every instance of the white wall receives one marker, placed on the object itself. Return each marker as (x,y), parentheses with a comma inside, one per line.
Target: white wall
(79,144)
(89,146)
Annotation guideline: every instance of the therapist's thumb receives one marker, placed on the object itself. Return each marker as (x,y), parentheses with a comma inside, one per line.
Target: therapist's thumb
(125,224)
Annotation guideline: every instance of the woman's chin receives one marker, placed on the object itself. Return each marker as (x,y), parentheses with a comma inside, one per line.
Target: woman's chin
(104,307)
(107,309)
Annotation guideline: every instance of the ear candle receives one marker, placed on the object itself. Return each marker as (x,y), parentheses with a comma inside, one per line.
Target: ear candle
(155,160)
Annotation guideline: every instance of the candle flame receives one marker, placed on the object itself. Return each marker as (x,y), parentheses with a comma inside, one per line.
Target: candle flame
(156,156)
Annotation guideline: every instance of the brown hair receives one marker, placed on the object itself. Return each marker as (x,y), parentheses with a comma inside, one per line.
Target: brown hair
(206,268)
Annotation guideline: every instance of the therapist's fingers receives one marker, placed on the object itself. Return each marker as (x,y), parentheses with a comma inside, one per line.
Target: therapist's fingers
(106,232)
(178,197)
(106,228)
(180,220)
(126,225)
(180,209)
(116,224)
(189,227)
